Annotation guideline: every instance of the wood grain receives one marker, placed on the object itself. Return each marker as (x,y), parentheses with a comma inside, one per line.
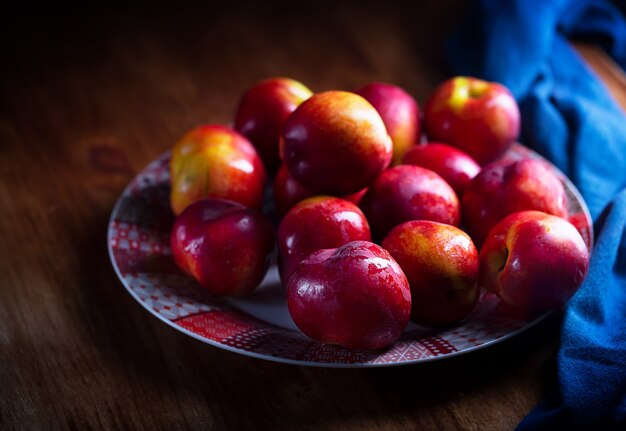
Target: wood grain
(87,98)
(611,75)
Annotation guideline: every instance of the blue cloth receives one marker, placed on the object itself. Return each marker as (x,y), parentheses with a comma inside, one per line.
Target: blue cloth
(568,116)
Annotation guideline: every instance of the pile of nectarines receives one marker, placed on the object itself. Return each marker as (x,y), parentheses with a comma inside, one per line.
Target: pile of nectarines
(376,224)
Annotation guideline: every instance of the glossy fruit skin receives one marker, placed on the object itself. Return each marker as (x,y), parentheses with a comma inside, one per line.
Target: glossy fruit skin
(440,262)
(225,246)
(479,117)
(288,192)
(404,193)
(215,161)
(335,143)
(262,111)
(355,296)
(533,260)
(400,113)
(317,223)
(509,186)
(453,165)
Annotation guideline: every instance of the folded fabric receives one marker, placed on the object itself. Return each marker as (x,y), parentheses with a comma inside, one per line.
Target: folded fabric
(568,116)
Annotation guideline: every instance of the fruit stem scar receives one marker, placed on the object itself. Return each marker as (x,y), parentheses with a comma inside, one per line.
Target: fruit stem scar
(466,88)
(478,88)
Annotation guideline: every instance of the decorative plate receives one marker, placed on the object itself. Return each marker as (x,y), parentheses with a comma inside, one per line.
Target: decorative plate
(260,325)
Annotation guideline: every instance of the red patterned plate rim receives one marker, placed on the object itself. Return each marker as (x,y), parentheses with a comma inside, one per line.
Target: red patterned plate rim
(260,327)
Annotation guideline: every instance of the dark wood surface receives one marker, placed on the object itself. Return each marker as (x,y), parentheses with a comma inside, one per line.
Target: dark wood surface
(87,98)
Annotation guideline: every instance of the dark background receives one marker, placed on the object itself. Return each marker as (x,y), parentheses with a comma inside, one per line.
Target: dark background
(88,96)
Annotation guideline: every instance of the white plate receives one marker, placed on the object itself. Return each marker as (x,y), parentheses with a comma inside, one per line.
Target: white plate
(260,325)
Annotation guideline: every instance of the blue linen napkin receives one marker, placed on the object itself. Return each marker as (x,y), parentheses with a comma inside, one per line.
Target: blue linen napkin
(568,116)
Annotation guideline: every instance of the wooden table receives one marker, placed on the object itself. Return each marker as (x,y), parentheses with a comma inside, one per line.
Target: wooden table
(87,98)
